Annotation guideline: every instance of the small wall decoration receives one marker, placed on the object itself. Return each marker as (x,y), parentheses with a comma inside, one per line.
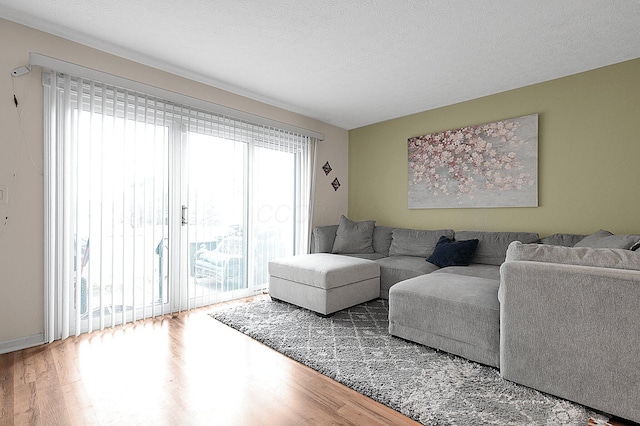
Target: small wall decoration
(487,165)
(327,168)
(335,184)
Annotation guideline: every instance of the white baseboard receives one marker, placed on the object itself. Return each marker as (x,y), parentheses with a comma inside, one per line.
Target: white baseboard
(21,343)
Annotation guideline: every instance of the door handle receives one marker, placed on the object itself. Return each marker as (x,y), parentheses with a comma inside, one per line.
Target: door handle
(185,212)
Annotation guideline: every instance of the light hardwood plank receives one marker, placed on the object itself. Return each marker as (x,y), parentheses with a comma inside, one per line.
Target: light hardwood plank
(6,386)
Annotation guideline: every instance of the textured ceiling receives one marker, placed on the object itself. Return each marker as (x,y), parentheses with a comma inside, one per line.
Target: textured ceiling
(351,62)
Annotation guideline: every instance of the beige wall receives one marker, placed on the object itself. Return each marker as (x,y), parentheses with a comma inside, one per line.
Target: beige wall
(589,151)
(21,152)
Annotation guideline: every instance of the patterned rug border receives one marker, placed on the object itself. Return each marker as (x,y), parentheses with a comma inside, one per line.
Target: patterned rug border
(250,319)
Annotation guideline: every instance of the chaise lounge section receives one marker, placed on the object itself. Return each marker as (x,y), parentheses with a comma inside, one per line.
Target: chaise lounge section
(451,312)
(455,308)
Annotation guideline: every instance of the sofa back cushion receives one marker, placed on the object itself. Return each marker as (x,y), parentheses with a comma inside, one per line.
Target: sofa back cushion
(354,237)
(566,240)
(413,242)
(492,246)
(605,239)
(581,256)
(382,239)
(322,238)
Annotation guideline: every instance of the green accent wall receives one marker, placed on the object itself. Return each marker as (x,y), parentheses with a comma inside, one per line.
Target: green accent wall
(588,158)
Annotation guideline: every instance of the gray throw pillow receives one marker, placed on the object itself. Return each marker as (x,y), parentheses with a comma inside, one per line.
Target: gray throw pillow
(605,239)
(354,237)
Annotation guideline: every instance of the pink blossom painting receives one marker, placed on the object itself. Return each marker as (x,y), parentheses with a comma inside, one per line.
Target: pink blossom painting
(487,165)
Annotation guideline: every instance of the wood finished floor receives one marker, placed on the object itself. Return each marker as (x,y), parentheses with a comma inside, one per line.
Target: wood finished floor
(183,369)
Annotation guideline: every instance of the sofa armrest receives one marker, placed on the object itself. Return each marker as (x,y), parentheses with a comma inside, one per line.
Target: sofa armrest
(322,238)
(572,331)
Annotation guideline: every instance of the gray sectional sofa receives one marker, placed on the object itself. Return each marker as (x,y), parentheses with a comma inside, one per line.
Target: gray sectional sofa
(559,314)
(453,308)
(402,253)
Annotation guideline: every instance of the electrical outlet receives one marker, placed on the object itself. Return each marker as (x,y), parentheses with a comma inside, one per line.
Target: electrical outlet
(4,194)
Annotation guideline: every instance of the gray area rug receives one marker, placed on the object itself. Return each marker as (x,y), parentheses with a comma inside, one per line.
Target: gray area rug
(435,388)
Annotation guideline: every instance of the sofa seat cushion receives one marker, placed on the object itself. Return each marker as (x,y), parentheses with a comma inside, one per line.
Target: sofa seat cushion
(324,270)
(368,256)
(491,272)
(394,269)
(450,312)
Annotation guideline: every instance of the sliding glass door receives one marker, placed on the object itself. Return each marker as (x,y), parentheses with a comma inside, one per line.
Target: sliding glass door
(154,207)
(239,214)
(215,218)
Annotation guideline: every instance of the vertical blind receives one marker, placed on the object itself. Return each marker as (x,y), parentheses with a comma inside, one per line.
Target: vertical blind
(154,207)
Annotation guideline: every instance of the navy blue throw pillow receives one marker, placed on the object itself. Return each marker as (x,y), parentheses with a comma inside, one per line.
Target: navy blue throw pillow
(453,253)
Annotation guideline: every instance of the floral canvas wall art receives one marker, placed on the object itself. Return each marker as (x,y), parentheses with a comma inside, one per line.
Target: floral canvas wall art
(486,165)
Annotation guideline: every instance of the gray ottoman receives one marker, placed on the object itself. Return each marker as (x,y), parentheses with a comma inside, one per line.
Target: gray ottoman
(323,282)
(454,313)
